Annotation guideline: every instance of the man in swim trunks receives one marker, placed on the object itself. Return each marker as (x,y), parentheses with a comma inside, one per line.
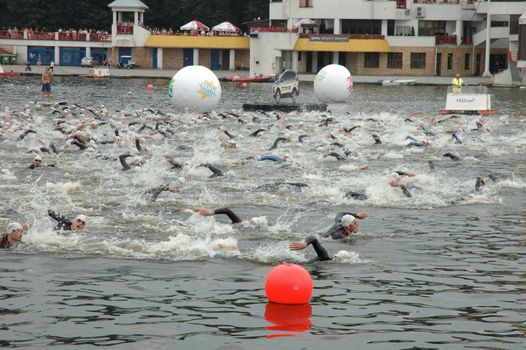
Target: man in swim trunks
(46,85)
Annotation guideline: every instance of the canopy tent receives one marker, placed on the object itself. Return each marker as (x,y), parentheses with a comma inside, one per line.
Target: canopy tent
(195,25)
(305,22)
(226,27)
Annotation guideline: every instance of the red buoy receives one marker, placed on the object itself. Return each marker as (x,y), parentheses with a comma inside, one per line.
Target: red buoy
(149,87)
(244,85)
(288,284)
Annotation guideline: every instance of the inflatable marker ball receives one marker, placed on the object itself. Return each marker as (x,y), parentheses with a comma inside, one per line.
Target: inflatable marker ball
(288,284)
(244,85)
(333,84)
(149,87)
(196,88)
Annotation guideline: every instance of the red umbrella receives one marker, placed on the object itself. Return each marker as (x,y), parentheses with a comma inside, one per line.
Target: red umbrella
(195,25)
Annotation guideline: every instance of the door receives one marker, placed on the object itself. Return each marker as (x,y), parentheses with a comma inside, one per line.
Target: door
(225,60)
(188,57)
(154,63)
(477,65)
(214,59)
(309,62)
(439,65)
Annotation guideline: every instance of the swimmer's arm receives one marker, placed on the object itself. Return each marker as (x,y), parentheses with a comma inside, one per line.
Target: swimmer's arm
(122,159)
(231,215)
(318,248)
(362,215)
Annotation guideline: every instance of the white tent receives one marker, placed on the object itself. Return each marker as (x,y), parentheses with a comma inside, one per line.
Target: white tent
(305,22)
(226,27)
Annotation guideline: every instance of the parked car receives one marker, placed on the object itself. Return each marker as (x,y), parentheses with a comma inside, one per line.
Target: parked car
(88,62)
(286,86)
(126,62)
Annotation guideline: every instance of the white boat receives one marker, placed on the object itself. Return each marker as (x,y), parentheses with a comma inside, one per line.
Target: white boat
(398,82)
(469,100)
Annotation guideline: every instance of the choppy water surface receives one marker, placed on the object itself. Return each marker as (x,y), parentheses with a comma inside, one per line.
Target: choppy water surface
(441,270)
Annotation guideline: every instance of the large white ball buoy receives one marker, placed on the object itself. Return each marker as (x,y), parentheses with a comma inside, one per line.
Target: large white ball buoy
(195,87)
(333,84)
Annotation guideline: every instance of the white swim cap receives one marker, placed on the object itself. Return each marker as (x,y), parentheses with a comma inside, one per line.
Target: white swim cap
(37,157)
(347,220)
(12,227)
(81,218)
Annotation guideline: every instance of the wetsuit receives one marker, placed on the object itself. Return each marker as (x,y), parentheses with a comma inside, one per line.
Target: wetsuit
(62,222)
(320,251)
(455,137)
(376,139)
(356,195)
(122,159)
(270,157)
(155,192)
(414,144)
(276,142)
(451,155)
(231,215)
(216,172)
(336,231)
(337,156)
(5,242)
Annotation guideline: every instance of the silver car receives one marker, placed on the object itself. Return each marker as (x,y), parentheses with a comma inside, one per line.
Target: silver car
(286,86)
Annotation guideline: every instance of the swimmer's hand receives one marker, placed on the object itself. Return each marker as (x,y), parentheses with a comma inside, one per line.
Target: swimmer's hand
(298,245)
(362,215)
(203,211)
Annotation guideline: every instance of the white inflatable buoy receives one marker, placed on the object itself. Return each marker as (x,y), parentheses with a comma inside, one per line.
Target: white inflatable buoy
(195,87)
(333,84)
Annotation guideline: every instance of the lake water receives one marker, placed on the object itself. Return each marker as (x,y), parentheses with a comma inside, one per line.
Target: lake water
(443,269)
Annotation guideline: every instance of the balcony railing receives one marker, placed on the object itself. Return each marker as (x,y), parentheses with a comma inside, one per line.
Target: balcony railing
(350,36)
(125,29)
(11,34)
(450,2)
(444,39)
(40,35)
(72,36)
(272,30)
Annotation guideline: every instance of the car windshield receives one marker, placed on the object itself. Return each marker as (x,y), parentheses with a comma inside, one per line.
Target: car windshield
(288,75)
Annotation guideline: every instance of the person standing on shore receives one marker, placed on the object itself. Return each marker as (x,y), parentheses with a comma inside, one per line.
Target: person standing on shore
(51,65)
(458,82)
(46,84)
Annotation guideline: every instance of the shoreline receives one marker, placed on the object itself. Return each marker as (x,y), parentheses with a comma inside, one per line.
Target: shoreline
(139,73)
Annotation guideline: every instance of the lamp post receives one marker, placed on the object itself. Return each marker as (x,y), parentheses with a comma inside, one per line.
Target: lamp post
(488,39)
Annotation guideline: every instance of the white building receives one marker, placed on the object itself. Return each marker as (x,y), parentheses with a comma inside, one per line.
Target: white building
(402,37)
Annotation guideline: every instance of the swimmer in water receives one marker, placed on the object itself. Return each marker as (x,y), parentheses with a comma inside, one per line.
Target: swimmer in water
(321,253)
(13,235)
(376,139)
(271,158)
(451,156)
(137,161)
(64,224)
(207,212)
(345,224)
(216,172)
(414,143)
(396,182)
(37,163)
(356,195)
(155,192)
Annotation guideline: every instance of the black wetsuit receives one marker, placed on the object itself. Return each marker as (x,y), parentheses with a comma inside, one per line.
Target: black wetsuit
(155,192)
(320,251)
(216,172)
(276,142)
(122,159)
(5,242)
(62,222)
(231,215)
(336,231)
(451,155)
(356,195)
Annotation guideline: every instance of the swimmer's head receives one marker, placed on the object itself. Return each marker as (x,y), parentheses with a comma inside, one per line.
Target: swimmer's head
(79,223)
(37,161)
(349,224)
(14,226)
(480,183)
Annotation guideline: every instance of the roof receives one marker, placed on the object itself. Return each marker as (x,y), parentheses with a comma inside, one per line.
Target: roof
(353,45)
(132,4)
(198,41)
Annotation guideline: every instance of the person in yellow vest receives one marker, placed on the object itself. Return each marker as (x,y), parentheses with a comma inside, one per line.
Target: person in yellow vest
(458,82)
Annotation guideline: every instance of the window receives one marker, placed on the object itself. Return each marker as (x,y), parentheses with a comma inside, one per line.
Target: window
(394,60)
(431,28)
(305,3)
(418,60)
(466,61)
(449,61)
(514,24)
(371,60)
(361,26)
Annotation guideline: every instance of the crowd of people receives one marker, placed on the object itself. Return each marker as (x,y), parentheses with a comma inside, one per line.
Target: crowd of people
(75,127)
(63,34)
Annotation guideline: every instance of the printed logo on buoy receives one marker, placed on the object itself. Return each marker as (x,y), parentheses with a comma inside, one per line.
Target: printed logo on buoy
(207,89)
(349,80)
(321,75)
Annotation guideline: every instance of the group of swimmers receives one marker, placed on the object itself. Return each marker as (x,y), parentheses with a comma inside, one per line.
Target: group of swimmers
(135,128)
